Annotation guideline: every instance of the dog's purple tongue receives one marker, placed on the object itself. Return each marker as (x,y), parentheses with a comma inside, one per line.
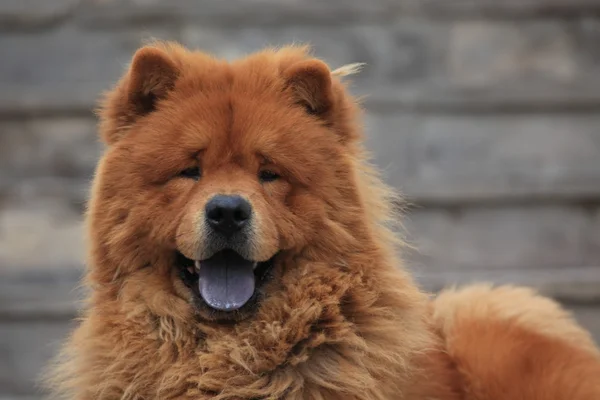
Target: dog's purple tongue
(226,281)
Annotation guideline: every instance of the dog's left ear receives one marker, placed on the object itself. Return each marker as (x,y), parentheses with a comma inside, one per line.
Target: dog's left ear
(311,86)
(150,78)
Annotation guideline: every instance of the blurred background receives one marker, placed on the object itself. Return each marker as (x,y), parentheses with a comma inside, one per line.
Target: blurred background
(484,113)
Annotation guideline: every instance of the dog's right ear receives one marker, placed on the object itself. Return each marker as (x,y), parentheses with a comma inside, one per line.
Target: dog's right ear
(150,78)
(310,83)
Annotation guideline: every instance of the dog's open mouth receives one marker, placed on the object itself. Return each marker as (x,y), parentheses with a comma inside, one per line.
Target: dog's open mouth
(226,281)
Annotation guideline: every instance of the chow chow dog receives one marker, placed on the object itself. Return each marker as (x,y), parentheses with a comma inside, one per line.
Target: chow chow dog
(240,247)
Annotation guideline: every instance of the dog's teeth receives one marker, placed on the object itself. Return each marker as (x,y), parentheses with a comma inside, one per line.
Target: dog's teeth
(254,265)
(197,265)
(190,270)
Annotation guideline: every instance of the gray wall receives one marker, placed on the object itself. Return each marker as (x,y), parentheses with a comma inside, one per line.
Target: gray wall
(485,113)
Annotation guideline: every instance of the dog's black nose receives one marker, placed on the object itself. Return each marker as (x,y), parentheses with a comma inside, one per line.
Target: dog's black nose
(228,214)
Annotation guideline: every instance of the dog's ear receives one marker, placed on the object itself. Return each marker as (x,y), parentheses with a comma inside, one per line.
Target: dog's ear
(311,86)
(151,76)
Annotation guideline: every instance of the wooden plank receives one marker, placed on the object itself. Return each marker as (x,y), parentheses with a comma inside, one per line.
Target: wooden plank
(58,71)
(413,64)
(26,348)
(236,12)
(34,14)
(507,239)
(330,12)
(458,159)
(63,148)
(451,65)
(42,293)
(572,285)
(41,226)
(508,8)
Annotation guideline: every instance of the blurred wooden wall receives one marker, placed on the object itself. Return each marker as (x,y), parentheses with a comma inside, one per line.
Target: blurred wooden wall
(485,113)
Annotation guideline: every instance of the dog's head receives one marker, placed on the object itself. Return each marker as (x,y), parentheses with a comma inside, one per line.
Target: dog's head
(216,172)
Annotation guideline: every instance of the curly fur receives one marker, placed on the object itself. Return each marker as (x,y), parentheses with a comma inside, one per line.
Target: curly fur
(341,319)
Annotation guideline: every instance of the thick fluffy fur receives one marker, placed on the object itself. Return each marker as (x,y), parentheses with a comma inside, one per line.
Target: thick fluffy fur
(340,319)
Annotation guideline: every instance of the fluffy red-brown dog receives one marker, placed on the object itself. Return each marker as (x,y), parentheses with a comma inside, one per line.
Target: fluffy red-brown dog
(240,249)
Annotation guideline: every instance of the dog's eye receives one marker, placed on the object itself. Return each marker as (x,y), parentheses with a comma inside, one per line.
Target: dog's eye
(267,176)
(191,173)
